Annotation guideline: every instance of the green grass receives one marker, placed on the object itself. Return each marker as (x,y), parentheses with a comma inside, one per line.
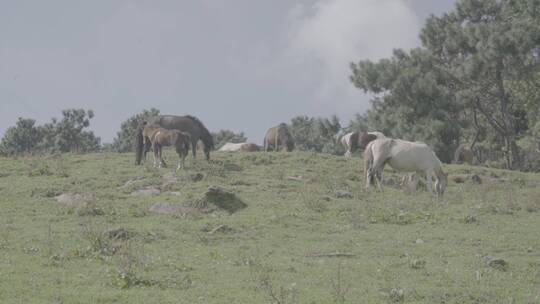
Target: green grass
(405,248)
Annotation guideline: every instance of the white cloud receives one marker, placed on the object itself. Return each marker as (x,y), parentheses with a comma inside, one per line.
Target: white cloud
(329,34)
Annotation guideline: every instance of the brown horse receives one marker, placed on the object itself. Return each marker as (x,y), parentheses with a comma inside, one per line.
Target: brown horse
(358,140)
(159,137)
(190,124)
(463,154)
(278,138)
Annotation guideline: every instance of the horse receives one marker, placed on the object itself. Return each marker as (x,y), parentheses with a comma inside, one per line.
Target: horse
(189,124)
(159,137)
(278,138)
(235,147)
(404,156)
(463,154)
(250,147)
(354,141)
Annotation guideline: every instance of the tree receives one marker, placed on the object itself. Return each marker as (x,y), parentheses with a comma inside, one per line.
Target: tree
(69,134)
(224,136)
(22,138)
(316,134)
(490,50)
(66,135)
(125,138)
(411,101)
(476,73)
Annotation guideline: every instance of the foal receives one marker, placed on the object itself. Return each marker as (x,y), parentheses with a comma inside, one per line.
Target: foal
(159,137)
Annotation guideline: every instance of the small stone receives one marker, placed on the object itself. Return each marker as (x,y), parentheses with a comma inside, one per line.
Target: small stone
(164,208)
(196,177)
(498,263)
(418,264)
(476,179)
(148,191)
(344,194)
(419,241)
(397,295)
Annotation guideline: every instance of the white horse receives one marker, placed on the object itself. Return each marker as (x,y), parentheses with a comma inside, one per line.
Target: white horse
(231,147)
(355,140)
(235,147)
(404,156)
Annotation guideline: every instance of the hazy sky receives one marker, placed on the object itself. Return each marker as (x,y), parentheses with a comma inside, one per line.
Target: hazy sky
(243,65)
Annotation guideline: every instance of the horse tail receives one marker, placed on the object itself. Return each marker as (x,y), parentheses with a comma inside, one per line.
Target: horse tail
(139,145)
(368,163)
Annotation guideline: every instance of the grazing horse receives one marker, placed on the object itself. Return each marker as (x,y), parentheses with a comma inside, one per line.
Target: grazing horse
(189,124)
(278,138)
(159,137)
(235,147)
(353,141)
(404,156)
(463,154)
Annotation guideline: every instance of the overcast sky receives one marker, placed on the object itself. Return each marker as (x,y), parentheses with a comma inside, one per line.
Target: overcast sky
(243,65)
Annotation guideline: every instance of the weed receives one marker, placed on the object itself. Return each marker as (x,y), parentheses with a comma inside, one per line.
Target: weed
(339,288)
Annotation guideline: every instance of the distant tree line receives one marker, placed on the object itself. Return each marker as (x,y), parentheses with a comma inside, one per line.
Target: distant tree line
(68,134)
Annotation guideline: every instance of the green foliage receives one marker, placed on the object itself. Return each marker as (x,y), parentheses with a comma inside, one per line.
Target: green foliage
(22,138)
(125,138)
(224,136)
(476,78)
(66,135)
(316,134)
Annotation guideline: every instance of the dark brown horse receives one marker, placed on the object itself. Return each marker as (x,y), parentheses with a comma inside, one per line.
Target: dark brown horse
(189,124)
(159,138)
(278,138)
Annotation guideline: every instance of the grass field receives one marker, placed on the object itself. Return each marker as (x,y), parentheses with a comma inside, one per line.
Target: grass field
(295,242)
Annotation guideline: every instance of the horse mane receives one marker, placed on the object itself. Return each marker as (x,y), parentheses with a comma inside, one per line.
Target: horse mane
(207,138)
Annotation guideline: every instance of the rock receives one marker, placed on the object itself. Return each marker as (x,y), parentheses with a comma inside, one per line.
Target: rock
(476,179)
(148,191)
(497,263)
(418,264)
(396,295)
(72,200)
(196,177)
(419,241)
(344,194)
(458,179)
(164,208)
(119,234)
(232,167)
(170,178)
(223,199)
(175,193)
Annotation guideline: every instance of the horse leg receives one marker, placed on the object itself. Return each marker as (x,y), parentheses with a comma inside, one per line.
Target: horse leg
(194,147)
(378,167)
(429,177)
(146,148)
(154,152)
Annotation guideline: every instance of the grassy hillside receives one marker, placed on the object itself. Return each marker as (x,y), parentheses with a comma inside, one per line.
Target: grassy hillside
(295,242)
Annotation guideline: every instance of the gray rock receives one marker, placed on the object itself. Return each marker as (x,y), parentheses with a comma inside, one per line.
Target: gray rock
(497,263)
(164,208)
(72,199)
(344,194)
(148,191)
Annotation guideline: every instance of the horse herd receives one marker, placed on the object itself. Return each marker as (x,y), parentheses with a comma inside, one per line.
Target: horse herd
(185,132)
